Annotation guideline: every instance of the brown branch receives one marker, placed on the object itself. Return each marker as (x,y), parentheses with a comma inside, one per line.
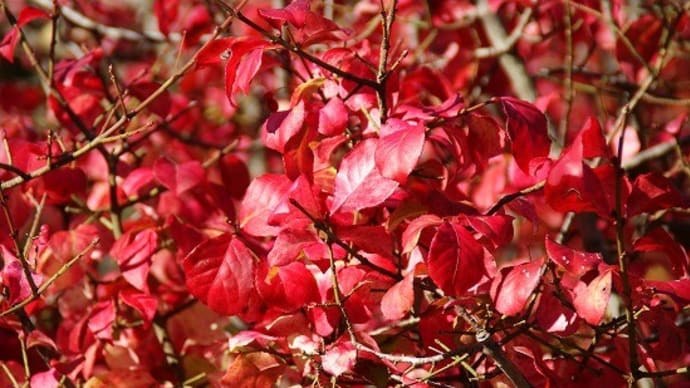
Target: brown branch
(382,73)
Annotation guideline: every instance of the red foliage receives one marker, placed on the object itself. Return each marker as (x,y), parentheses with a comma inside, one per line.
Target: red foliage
(443,193)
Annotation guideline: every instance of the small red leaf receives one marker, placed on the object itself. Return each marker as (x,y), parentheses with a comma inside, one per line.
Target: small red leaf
(160,105)
(220,273)
(398,300)
(215,52)
(527,131)
(399,148)
(166,13)
(282,126)
(455,259)
(144,304)
(179,177)
(358,183)
(575,262)
(411,234)
(333,117)
(261,198)
(517,286)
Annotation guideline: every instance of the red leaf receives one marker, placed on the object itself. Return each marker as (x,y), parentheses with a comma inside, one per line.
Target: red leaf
(659,240)
(528,133)
(287,288)
(235,175)
(166,13)
(160,105)
(143,303)
(484,135)
(339,358)
(572,185)
(291,241)
(575,262)
(251,50)
(8,43)
(181,177)
(101,320)
(282,126)
(295,13)
(220,273)
(215,52)
(677,289)
(398,300)
(13,278)
(358,183)
(261,198)
(591,300)
(333,117)
(398,149)
(455,260)
(137,180)
(133,253)
(30,14)
(652,192)
(552,316)
(517,286)
(411,234)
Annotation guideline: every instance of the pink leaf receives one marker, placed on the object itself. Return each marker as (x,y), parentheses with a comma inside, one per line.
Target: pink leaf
(358,184)
(399,148)
(333,117)
(455,260)
(282,126)
(220,273)
(591,300)
(339,358)
(517,286)
(398,300)
(261,198)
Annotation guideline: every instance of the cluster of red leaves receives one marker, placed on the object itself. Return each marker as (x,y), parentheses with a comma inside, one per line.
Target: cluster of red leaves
(407,218)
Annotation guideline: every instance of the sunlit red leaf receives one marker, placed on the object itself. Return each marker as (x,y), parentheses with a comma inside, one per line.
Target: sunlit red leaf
(282,126)
(517,286)
(575,262)
(359,184)
(398,149)
(261,198)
